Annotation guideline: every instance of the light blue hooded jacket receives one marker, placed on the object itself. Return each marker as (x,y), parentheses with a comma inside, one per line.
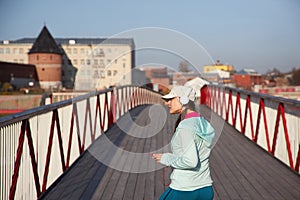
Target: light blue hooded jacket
(191,146)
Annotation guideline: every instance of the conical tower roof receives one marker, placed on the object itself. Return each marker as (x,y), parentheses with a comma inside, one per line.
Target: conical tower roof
(45,43)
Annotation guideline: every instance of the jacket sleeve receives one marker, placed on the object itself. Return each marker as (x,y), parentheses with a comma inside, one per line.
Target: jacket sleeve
(187,156)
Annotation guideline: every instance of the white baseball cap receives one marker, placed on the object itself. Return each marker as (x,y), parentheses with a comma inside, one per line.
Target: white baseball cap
(181,91)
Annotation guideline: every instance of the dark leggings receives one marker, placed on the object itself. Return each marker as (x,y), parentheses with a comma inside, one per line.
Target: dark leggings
(206,193)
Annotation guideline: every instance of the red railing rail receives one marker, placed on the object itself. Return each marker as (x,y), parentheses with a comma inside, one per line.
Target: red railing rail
(271,122)
(38,145)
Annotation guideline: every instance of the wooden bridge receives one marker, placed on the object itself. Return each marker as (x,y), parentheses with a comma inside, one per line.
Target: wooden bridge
(240,168)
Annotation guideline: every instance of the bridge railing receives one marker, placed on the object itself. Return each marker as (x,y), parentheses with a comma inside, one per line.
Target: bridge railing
(271,122)
(38,145)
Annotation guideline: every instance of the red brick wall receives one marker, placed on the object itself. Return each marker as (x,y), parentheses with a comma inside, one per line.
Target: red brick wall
(256,79)
(242,80)
(246,81)
(48,65)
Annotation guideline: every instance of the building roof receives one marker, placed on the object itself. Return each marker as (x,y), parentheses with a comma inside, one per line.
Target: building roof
(247,72)
(45,43)
(15,70)
(74,41)
(117,41)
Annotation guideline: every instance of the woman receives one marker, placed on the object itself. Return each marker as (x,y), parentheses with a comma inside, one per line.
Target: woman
(191,146)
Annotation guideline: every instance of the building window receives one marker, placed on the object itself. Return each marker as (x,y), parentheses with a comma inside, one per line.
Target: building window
(116,61)
(37,57)
(74,51)
(50,57)
(95,52)
(101,53)
(69,51)
(101,63)
(102,74)
(82,51)
(96,62)
(108,61)
(82,61)
(7,51)
(1,51)
(115,72)
(124,65)
(75,61)
(108,73)
(88,61)
(88,52)
(21,50)
(96,75)
(15,51)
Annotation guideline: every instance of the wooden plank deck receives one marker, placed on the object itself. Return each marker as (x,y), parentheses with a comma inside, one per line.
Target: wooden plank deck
(240,169)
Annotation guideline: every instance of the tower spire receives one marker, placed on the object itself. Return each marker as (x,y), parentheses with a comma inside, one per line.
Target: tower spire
(45,43)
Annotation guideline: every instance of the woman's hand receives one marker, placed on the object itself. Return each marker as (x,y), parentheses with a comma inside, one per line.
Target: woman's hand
(157,157)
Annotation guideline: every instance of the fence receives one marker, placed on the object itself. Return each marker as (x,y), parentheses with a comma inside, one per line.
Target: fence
(271,122)
(10,104)
(38,145)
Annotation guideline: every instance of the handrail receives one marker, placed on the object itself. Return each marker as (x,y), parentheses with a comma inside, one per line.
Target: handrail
(247,111)
(4,121)
(64,128)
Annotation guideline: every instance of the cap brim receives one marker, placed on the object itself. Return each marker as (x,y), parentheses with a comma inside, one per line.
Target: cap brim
(168,96)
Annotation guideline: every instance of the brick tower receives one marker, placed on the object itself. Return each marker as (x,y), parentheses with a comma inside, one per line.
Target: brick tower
(47,57)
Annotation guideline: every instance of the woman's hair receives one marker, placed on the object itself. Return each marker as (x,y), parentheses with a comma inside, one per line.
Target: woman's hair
(190,105)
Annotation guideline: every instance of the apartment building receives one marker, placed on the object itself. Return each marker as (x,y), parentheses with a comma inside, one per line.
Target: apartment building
(100,62)
(13,51)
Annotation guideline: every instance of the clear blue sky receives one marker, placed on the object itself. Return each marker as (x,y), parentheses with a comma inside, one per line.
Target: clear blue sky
(258,34)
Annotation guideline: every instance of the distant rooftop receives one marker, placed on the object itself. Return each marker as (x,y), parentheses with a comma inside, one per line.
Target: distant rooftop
(248,71)
(74,41)
(46,43)
(21,71)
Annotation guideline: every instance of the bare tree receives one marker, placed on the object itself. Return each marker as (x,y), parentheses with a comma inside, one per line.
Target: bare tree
(296,77)
(184,66)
